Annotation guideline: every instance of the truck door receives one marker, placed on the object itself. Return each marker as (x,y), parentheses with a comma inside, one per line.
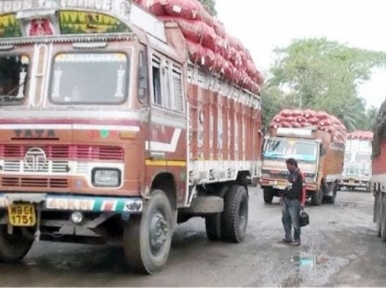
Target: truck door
(166,141)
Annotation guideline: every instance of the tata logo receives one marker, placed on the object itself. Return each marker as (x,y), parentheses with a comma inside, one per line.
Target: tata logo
(31,134)
(35,159)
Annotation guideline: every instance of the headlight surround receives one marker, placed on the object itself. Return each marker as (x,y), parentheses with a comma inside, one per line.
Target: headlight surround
(106,177)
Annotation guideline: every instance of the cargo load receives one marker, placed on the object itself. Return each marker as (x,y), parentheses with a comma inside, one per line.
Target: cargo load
(231,60)
(316,140)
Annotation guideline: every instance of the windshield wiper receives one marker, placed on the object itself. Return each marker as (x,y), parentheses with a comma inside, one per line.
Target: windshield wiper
(9,96)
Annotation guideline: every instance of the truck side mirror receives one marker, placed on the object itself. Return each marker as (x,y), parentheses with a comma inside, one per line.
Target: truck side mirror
(322,150)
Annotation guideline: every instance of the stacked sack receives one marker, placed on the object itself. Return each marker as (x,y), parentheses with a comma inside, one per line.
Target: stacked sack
(208,43)
(306,118)
(361,135)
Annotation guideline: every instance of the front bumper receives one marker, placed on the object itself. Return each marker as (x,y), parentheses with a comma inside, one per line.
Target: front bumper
(281,184)
(354,183)
(50,202)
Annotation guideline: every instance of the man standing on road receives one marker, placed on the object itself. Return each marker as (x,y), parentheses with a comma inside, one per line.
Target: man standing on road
(293,200)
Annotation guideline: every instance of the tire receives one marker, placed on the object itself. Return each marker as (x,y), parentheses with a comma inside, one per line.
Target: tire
(13,248)
(213,226)
(383,228)
(331,199)
(317,198)
(155,223)
(234,220)
(268,195)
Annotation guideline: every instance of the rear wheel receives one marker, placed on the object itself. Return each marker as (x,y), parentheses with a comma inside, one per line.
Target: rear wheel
(383,228)
(317,198)
(13,247)
(268,195)
(234,220)
(147,239)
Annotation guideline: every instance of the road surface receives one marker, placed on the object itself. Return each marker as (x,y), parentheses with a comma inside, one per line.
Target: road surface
(341,243)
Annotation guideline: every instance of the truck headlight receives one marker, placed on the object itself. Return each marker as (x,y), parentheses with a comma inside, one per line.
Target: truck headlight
(106,177)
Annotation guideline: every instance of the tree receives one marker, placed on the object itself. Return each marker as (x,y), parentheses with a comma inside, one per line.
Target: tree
(210,6)
(323,75)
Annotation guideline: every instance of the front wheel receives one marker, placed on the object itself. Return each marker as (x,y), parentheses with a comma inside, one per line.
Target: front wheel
(13,247)
(147,239)
(268,195)
(235,216)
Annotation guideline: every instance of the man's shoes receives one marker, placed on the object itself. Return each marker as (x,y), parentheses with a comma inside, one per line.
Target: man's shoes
(285,241)
(296,243)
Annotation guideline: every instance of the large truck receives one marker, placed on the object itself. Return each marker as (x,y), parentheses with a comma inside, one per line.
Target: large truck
(316,141)
(378,177)
(110,134)
(357,161)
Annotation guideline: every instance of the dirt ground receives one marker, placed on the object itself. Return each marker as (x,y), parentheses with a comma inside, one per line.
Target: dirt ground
(340,242)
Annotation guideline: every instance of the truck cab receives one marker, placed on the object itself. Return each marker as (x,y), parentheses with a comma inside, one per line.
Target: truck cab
(357,165)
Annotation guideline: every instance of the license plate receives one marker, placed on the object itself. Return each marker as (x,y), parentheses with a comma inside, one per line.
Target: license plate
(351,182)
(22,215)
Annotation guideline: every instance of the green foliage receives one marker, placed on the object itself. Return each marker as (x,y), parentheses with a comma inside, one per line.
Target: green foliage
(322,75)
(210,6)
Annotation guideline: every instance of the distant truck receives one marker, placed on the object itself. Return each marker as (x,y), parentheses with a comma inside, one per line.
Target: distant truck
(316,141)
(357,161)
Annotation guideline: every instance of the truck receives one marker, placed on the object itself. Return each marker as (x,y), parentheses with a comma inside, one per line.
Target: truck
(378,177)
(357,161)
(110,134)
(316,141)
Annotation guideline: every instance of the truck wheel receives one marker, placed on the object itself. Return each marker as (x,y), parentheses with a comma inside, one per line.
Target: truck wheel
(268,195)
(213,226)
(317,197)
(147,239)
(234,220)
(383,228)
(13,247)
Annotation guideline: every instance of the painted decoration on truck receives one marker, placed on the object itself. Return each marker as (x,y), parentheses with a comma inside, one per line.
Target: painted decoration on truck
(74,22)
(40,27)
(9,26)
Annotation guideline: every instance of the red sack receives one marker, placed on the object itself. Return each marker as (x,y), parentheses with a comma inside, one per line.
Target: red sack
(285,125)
(235,43)
(313,121)
(322,115)
(285,112)
(186,9)
(195,31)
(219,64)
(219,28)
(200,55)
(222,47)
(157,7)
(308,113)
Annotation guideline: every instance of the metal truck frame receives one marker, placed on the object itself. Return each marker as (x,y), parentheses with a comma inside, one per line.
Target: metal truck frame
(154,141)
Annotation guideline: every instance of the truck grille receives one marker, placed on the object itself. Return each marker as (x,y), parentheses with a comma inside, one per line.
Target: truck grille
(68,152)
(34,182)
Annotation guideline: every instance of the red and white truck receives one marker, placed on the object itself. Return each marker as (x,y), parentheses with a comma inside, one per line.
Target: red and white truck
(378,177)
(357,161)
(316,141)
(116,125)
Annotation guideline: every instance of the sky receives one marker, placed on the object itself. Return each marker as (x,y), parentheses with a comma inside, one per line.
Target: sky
(263,25)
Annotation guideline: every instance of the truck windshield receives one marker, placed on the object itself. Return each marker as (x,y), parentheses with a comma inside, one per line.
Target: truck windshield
(13,79)
(89,78)
(283,148)
(363,157)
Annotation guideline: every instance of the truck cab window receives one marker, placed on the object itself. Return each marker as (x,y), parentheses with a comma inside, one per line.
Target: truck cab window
(13,77)
(157,90)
